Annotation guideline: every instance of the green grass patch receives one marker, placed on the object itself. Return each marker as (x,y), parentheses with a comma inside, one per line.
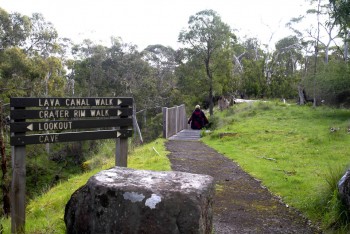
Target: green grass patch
(45,213)
(291,149)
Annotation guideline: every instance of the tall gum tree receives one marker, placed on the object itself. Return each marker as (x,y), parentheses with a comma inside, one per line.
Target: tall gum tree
(207,37)
(341,16)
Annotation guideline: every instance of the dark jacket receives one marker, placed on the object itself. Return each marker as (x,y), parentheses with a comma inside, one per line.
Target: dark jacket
(198,119)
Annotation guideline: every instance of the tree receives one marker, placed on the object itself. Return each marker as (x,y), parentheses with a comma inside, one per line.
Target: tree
(163,63)
(43,37)
(14,29)
(284,65)
(253,78)
(341,16)
(15,68)
(206,37)
(341,12)
(88,70)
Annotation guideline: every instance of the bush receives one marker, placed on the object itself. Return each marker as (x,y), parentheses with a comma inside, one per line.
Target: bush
(335,214)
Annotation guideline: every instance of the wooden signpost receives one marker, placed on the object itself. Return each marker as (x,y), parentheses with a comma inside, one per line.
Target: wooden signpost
(55,120)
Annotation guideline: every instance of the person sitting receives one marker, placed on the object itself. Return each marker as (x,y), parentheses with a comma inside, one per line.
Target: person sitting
(198,119)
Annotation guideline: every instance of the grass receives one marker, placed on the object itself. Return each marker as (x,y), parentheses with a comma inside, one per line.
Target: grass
(45,213)
(291,149)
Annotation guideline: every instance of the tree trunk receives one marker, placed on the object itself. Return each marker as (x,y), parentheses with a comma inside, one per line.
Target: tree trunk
(211,103)
(316,50)
(301,95)
(346,45)
(4,186)
(210,77)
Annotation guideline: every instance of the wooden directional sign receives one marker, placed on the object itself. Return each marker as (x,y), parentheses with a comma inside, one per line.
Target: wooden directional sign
(70,102)
(55,119)
(69,125)
(66,137)
(56,116)
(70,113)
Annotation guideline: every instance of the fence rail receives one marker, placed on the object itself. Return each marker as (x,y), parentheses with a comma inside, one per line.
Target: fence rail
(174,120)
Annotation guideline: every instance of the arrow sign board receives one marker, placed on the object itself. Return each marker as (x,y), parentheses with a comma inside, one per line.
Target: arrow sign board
(69,125)
(70,113)
(56,117)
(67,137)
(71,102)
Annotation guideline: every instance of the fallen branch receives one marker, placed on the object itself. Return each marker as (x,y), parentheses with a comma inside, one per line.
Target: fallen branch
(227,134)
(156,151)
(271,159)
(289,173)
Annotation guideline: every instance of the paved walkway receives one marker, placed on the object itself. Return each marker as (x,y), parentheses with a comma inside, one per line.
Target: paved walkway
(241,203)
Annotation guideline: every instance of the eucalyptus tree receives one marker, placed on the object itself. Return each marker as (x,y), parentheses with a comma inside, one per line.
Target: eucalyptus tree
(319,37)
(15,73)
(28,46)
(128,73)
(322,31)
(14,29)
(49,77)
(88,71)
(284,66)
(250,62)
(341,16)
(341,12)
(43,37)
(191,84)
(206,38)
(253,78)
(162,60)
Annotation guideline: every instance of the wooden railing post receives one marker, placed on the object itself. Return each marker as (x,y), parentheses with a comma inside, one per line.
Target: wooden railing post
(165,122)
(174,120)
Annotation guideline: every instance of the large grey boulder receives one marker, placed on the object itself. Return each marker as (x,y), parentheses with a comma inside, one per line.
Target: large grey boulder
(122,200)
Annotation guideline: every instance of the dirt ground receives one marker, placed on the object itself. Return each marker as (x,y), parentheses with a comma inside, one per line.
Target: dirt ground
(241,204)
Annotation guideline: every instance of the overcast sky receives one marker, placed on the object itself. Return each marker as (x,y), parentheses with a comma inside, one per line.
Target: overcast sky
(147,22)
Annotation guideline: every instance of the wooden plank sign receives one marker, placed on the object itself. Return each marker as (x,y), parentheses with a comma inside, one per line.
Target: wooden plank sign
(56,115)
(69,125)
(72,136)
(70,102)
(70,113)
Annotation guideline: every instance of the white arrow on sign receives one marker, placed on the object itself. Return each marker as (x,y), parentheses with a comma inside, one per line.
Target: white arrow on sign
(119,102)
(118,134)
(30,127)
(119,112)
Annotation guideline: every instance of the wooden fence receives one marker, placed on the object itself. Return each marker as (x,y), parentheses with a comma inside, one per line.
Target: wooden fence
(174,120)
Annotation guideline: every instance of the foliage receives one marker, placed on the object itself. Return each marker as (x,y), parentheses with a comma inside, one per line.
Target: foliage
(207,38)
(253,79)
(336,214)
(332,85)
(291,150)
(14,29)
(341,12)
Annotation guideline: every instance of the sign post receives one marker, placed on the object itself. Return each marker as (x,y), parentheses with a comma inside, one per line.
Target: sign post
(18,185)
(55,118)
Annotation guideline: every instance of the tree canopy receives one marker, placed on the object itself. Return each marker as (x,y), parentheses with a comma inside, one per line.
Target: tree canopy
(207,38)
